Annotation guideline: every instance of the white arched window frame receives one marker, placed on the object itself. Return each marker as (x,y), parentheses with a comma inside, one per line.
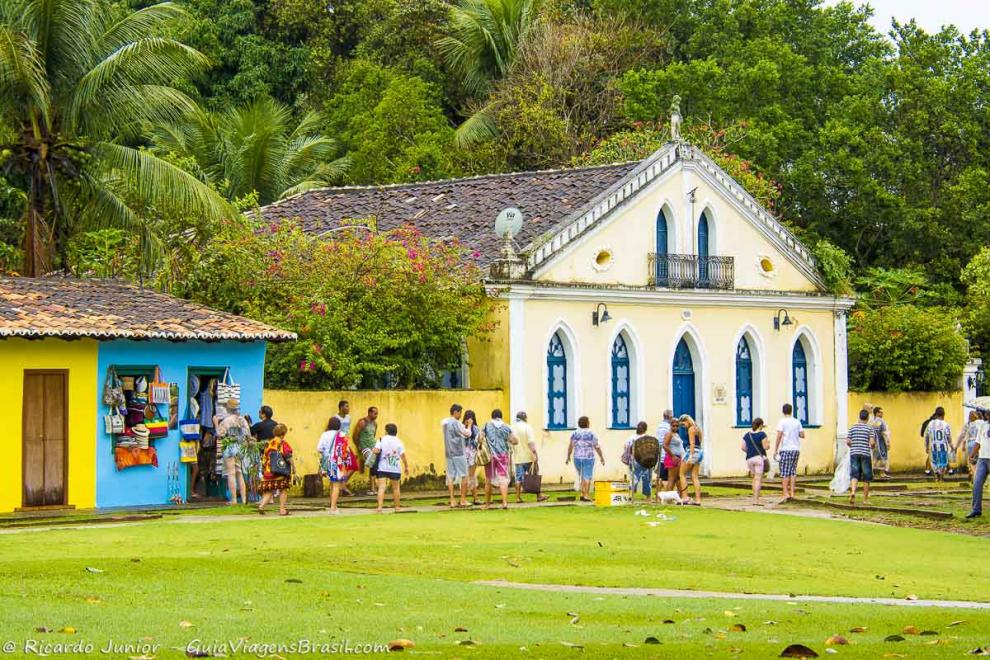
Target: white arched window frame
(813,375)
(562,333)
(634,351)
(758,360)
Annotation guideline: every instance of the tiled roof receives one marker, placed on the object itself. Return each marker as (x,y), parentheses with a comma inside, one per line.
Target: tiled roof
(109,309)
(461,208)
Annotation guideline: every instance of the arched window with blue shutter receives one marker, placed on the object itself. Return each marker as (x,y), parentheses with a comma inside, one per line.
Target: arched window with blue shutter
(662,266)
(703,270)
(744,383)
(799,379)
(556,383)
(620,383)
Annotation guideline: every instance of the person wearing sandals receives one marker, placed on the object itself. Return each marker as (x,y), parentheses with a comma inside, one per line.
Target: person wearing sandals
(471,453)
(583,445)
(233,431)
(693,455)
(337,461)
(455,433)
(499,437)
(390,452)
(673,448)
(272,483)
(756,444)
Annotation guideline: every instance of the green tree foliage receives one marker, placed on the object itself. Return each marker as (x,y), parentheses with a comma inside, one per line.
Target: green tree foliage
(484,38)
(78,78)
(905,348)
(391,125)
(976,277)
(256,148)
(835,267)
(368,307)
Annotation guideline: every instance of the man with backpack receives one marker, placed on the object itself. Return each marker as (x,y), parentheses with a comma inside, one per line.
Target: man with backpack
(641,454)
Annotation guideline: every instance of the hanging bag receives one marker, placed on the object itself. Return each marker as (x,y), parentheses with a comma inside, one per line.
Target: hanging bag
(533,480)
(113,394)
(188,451)
(278,466)
(484,453)
(114,422)
(160,391)
(759,450)
(189,428)
(227,389)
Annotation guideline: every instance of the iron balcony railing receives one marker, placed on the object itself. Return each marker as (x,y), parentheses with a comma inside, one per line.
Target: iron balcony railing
(689,271)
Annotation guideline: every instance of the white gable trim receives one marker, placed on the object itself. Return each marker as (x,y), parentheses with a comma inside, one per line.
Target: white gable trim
(542,255)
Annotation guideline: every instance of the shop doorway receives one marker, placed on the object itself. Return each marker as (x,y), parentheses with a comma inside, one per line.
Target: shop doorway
(44,437)
(206,480)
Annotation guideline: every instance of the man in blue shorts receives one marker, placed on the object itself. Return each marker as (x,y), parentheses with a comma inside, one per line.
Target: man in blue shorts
(861,442)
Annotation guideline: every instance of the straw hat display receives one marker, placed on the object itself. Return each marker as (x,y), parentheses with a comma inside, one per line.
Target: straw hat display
(141,435)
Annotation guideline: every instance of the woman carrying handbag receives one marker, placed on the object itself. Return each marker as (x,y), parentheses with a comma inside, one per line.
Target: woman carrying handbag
(756,444)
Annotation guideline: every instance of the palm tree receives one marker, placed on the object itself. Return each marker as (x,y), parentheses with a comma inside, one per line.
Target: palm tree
(80,81)
(485,36)
(256,148)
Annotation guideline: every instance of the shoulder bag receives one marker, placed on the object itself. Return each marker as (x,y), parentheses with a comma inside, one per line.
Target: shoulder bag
(278,465)
(484,456)
(227,389)
(533,480)
(759,450)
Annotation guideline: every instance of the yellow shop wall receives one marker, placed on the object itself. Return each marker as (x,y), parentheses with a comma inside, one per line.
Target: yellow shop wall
(904,413)
(417,413)
(79,358)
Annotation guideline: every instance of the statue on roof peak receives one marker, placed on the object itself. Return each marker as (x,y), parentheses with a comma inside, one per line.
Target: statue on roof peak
(675,118)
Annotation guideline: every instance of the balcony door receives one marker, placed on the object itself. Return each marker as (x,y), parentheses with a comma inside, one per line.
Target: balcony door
(704,277)
(662,263)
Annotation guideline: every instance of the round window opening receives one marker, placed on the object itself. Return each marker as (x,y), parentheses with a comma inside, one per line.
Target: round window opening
(603,259)
(766,265)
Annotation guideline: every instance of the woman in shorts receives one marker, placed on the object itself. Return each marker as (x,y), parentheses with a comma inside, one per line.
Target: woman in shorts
(673,448)
(584,444)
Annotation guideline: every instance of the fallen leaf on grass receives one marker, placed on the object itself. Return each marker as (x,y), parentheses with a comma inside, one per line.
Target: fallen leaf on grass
(379,604)
(894,638)
(894,655)
(68,630)
(831,651)
(93,600)
(467,642)
(910,597)
(928,633)
(42,629)
(668,621)
(729,613)
(651,640)
(980,651)
(90,569)
(769,623)
(630,645)
(910,630)
(858,629)
(939,642)
(185,624)
(737,627)
(460,629)
(836,640)
(572,614)
(293,580)
(956,623)
(400,644)
(571,645)
(575,620)
(798,651)
(500,606)
(140,657)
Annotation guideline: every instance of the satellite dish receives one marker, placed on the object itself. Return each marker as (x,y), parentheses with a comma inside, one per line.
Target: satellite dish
(509,222)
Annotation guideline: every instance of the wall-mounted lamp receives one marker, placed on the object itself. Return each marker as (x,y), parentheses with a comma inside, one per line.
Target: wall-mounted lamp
(604,317)
(777,322)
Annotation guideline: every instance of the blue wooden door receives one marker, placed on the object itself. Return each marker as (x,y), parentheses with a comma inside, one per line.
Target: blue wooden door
(703,275)
(744,383)
(683,381)
(663,269)
(556,384)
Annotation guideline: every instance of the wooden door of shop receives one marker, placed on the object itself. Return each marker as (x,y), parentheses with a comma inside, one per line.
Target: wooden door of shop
(45,437)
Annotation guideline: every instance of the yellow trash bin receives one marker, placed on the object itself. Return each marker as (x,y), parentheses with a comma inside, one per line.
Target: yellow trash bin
(611,493)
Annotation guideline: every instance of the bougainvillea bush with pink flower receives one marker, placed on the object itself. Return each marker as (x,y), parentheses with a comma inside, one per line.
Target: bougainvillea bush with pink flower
(372,309)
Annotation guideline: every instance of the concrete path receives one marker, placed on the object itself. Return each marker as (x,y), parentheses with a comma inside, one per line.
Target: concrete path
(685,593)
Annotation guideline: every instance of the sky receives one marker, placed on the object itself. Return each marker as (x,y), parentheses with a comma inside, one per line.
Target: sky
(930,14)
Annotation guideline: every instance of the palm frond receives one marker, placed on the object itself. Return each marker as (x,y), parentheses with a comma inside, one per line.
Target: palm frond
(22,72)
(141,24)
(158,183)
(479,127)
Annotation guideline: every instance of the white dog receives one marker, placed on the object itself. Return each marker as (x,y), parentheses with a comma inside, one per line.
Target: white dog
(669,497)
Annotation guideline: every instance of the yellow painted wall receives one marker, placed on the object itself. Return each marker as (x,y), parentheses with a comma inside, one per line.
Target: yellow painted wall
(488,356)
(655,330)
(417,413)
(904,413)
(79,358)
(631,236)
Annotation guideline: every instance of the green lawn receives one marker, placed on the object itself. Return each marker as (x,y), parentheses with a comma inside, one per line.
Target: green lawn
(374,579)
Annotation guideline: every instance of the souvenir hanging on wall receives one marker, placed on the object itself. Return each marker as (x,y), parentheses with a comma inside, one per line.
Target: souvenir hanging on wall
(113,421)
(227,389)
(173,405)
(113,393)
(159,389)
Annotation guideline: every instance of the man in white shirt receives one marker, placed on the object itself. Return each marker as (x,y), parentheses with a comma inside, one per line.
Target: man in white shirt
(981,454)
(524,455)
(787,449)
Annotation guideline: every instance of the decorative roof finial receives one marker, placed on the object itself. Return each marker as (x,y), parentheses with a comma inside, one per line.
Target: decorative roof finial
(675,118)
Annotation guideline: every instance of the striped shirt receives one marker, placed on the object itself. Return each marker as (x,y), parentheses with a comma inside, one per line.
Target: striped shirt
(860,436)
